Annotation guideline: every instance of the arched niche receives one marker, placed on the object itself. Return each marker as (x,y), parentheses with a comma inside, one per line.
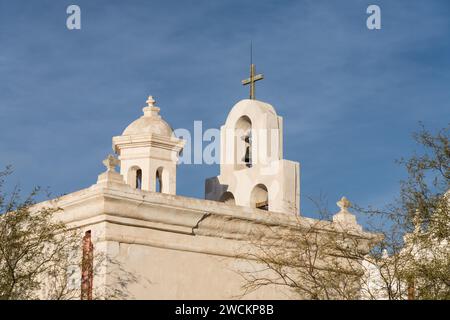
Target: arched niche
(259,197)
(228,198)
(243,143)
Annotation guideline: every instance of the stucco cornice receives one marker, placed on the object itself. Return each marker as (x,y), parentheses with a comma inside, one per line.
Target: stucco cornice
(175,213)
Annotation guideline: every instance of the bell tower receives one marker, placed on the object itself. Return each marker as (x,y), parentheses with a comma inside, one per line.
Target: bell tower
(148,152)
(253,172)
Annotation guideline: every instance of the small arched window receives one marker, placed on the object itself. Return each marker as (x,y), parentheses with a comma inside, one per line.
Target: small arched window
(243,143)
(260,197)
(248,149)
(138,184)
(228,198)
(159,181)
(134,177)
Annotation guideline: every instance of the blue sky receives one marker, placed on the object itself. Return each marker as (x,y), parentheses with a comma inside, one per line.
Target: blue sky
(350,97)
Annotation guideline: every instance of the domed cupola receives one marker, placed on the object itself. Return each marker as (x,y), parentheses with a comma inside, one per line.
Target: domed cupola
(150,122)
(148,152)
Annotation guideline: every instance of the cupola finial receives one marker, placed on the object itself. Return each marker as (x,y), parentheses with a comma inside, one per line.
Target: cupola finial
(150,101)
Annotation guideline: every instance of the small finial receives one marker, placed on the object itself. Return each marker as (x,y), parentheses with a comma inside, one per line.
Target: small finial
(111,162)
(344,204)
(344,218)
(151,110)
(150,101)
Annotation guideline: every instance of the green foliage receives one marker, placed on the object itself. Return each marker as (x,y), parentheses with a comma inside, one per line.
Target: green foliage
(417,233)
(411,259)
(34,248)
(425,199)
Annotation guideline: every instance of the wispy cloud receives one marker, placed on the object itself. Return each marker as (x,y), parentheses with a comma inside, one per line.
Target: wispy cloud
(350,97)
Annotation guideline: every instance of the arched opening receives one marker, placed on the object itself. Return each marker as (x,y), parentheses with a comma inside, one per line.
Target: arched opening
(138,179)
(228,198)
(159,180)
(135,177)
(259,197)
(243,143)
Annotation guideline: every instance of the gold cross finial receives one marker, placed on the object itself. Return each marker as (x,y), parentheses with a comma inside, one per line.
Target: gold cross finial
(253,76)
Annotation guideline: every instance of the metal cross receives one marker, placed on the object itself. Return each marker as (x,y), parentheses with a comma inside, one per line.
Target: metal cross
(253,78)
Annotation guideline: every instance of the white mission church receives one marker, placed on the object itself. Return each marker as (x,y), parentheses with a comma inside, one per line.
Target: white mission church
(178,247)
